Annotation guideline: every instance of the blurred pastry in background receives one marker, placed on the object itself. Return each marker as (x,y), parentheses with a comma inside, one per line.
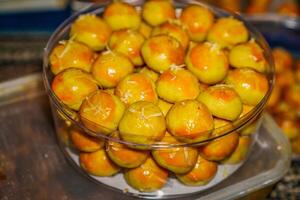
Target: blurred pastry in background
(289,9)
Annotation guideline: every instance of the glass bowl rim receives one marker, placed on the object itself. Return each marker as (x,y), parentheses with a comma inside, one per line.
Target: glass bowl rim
(236,125)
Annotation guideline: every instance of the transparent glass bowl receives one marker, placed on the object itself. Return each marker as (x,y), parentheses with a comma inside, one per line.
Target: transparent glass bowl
(65,118)
(70,115)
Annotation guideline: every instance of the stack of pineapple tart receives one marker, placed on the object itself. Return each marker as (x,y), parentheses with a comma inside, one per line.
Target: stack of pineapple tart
(284,103)
(149,77)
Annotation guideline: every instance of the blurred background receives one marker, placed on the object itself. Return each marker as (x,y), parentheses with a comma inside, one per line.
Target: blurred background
(25,26)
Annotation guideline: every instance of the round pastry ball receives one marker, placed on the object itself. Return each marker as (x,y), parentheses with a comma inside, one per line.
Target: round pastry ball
(175,30)
(203,172)
(220,148)
(110,68)
(91,30)
(179,160)
(71,54)
(240,152)
(227,32)
(283,60)
(208,62)
(150,73)
(123,155)
(148,177)
(72,86)
(164,106)
(83,142)
(222,101)
(248,54)
(145,29)
(178,84)
(156,12)
(190,121)
(121,15)
(198,20)
(98,164)
(129,43)
(136,87)
(251,86)
(142,123)
(101,112)
(162,52)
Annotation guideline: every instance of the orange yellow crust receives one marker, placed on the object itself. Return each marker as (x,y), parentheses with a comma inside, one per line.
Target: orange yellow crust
(110,68)
(177,85)
(101,112)
(248,54)
(91,30)
(72,86)
(240,152)
(228,32)
(148,177)
(120,15)
(124,156)
(208,62)
(190,121)
(97,163)
(71,54)
(198,20)
(174,30)
(250,85)
(142,123)
(203,172)
(136,87)
(83,142)
(220,148)
(222,101)
(178,159)
(156,12)
(162,52)
(129,43)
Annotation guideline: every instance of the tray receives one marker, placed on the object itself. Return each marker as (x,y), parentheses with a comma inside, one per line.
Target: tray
(33,167)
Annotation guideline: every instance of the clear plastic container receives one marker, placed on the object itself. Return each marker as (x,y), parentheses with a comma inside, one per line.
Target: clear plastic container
(267,163)
(66,119)
(283,32)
